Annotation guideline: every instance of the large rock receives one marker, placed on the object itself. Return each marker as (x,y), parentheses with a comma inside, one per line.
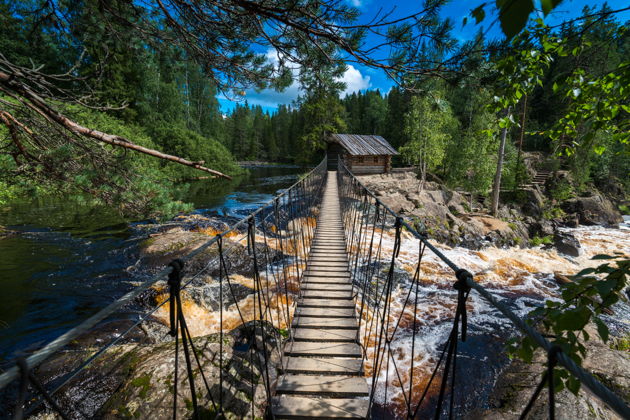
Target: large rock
(161,249)
(567,244)
(595,209)
(517,383)
(136,380)
(148,388)
(398,203)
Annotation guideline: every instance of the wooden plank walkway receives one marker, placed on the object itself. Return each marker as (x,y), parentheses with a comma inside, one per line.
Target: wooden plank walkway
(323,377)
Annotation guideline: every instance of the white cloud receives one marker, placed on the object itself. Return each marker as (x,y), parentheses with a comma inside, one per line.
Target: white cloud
(352,77)
(354,81)
(355,3)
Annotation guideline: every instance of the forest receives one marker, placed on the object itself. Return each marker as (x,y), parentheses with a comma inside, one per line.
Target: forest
(119,155)
(529,89)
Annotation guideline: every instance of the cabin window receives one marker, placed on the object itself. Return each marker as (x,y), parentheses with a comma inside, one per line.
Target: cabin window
(360,159)
(375,159)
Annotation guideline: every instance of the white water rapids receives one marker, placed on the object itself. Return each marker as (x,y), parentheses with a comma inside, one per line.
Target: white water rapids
(522,277)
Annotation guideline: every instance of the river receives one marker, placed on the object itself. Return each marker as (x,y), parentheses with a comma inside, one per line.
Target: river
(71,258)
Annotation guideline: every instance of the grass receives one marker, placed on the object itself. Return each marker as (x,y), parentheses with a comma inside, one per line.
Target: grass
(144,382)
(624,209)
(553,213)
(621,343)
(545,240)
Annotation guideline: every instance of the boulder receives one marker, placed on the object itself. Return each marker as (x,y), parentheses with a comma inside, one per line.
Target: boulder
(540,227)
(136,380)
(517,383)
(567,244)
(593,210)
(161,249)
(147,390)
(398,203)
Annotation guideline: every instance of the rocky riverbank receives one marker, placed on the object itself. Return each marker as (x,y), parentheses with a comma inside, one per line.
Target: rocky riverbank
(456,219)
(608,362)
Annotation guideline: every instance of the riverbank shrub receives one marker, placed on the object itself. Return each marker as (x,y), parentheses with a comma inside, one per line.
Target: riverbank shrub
(538,240)
(135,184)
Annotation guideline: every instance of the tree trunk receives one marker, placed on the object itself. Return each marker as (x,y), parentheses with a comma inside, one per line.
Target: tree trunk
(517,181)
(496,187)
(423,178)
(38,105)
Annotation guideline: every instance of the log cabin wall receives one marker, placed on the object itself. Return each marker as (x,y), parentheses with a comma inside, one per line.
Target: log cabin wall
(368,164)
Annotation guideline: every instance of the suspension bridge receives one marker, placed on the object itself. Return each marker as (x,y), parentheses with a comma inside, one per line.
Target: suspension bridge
(317,335)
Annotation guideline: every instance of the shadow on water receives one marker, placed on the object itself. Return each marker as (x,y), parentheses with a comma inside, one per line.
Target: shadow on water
(72,258)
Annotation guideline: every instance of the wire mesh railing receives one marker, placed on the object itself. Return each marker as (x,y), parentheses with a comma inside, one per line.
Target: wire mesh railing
(210,347)
(393,268)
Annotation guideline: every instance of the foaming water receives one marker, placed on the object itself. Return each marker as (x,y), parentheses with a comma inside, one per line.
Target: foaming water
(522,278)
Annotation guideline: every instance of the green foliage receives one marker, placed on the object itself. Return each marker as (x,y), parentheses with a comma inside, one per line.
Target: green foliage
(621,343)
(428,125)
(471,155)
(513,14)
(591,292)
(537,240)
(562,190)
(552,212)
(323,116)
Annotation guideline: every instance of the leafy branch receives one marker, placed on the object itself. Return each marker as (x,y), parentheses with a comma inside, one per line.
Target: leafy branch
(591,292)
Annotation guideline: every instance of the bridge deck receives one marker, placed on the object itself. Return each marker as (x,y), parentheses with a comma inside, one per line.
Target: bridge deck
(323,376)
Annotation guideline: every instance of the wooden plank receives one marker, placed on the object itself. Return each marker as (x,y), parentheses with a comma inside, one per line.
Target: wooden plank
(326,280)
(322,268)
(299,348)
(318,273)
(323,365)
(325,313)
(339,323)
(343,265)
(301,408)
(326,303)
(326,336)
(343,287)
(338,385)
(327,294)
(327,256)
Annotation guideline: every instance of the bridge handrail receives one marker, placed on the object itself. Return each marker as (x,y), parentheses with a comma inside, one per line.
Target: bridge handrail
(596,387)
(60,342)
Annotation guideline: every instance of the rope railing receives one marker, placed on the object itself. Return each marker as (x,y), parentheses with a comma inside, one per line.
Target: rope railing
(256,267)
(387,259)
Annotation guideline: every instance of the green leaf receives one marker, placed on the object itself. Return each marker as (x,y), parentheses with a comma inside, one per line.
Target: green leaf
(604,257)
(479,13)
(602,329)
(605,287)
(573,384)
(573,320)
(549,5)
(513,15)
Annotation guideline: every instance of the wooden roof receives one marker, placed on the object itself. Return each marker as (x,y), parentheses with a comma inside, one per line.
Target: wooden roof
(361,145)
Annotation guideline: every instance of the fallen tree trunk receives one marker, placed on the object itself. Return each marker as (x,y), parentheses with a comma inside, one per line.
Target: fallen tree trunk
(11,86)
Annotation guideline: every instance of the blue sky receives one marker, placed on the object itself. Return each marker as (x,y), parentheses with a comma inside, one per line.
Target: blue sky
(358,77)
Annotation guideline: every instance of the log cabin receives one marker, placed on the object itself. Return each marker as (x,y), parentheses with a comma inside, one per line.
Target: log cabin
(362,154)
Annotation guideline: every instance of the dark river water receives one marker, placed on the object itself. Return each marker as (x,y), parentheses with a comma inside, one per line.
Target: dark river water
(71,259)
